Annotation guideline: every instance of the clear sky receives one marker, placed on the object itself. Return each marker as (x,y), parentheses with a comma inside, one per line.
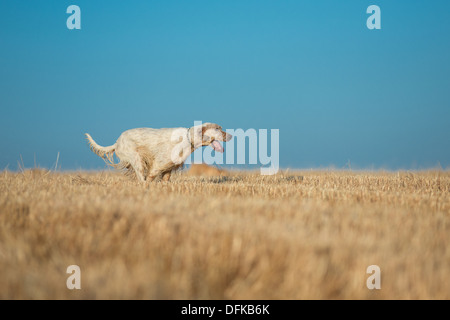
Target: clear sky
(337,91)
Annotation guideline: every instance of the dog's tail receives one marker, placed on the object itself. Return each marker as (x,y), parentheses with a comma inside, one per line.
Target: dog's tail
(106,153)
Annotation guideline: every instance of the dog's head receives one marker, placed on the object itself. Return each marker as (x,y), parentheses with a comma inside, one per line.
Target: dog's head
(209,134)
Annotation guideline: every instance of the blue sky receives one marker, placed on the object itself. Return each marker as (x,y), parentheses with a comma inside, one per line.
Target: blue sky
(337,91)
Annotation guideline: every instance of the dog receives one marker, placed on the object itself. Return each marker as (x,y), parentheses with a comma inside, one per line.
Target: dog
(154,153)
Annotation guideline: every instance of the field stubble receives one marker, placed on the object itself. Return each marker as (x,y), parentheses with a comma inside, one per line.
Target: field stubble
(306,235)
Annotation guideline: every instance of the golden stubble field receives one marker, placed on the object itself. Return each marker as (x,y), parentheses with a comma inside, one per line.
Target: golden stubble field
(297,235)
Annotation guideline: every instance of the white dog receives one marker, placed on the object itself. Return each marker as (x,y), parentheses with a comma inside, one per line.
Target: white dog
(154,153)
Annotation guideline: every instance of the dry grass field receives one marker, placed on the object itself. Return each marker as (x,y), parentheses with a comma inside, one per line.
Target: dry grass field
(297,235)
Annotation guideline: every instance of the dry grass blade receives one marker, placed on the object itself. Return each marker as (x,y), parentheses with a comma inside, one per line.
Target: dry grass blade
(296,235)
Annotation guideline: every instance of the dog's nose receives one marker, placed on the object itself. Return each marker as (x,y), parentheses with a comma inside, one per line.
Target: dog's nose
(228,137)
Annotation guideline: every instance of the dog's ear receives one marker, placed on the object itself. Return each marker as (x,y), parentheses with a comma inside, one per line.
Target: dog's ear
(199,133)
(209,125)
(204,130)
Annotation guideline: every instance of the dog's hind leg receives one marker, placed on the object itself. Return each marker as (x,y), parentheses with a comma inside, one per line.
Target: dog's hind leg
(136,164)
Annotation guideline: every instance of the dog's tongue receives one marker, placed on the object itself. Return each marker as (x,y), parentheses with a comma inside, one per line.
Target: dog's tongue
(217,146)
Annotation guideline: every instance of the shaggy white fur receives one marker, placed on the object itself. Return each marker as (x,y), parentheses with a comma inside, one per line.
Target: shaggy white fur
(155,153)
